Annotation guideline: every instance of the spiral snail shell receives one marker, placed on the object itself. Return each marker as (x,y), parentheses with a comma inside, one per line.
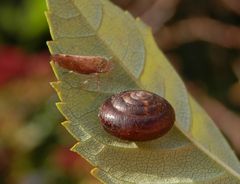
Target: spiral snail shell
(136,115)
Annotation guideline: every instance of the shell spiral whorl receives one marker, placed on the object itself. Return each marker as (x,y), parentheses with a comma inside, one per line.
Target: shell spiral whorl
(136,115)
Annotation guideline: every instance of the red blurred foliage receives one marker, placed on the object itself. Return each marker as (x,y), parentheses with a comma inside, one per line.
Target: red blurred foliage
(65,159)
(15,63)
(12,63)
(39,63)
(72,164)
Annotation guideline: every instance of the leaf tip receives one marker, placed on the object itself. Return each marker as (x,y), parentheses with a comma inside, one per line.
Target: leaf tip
(55,85)
(74,148)
(54,68)
(94,172)
(65,124)
(60,106)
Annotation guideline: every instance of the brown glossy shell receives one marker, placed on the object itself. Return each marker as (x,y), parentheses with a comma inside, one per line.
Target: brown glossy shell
(136,115)
(83,64)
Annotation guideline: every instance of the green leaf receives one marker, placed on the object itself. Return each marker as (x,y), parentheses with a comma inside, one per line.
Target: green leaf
(194,151)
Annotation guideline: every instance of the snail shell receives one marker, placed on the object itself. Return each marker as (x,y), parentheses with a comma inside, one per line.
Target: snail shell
(136,115)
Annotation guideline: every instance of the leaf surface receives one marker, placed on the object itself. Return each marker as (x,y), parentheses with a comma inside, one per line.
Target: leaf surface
(194,151)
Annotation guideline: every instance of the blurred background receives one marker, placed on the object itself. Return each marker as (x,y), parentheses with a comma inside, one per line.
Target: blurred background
(200,38)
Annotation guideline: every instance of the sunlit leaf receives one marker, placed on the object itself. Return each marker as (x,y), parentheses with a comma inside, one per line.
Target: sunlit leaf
(194,151)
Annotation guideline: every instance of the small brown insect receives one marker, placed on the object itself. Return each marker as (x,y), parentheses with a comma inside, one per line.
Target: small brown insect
(83,64)
(136,115)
